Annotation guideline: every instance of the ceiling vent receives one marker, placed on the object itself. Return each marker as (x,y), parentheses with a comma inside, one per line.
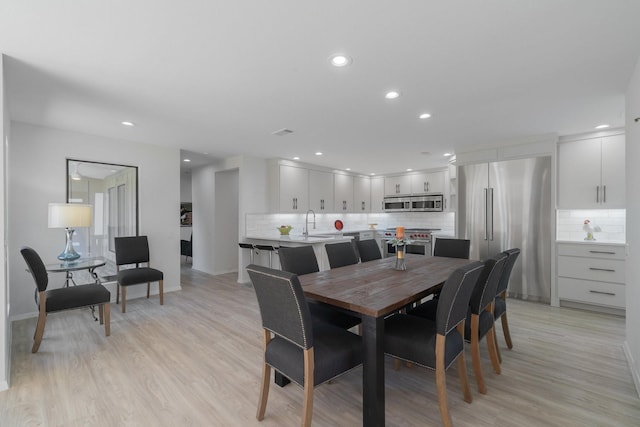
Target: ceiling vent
(282,132)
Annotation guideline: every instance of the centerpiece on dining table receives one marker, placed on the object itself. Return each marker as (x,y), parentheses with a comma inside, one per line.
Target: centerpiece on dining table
(399,242)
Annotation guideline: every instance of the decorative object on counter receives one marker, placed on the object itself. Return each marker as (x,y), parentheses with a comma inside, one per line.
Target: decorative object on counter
(372,226)
(284,230)
(338,225)
(590,229)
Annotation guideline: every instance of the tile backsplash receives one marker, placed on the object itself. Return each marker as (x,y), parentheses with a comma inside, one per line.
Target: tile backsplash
(611,221)
(266,223)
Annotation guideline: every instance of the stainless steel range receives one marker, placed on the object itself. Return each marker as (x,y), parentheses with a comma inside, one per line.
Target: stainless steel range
(420,241)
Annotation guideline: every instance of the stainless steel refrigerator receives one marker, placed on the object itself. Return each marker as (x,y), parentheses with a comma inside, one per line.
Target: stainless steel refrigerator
(507,204)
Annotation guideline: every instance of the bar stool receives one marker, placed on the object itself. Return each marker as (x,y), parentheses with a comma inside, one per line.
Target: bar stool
(251,248)
(271,249)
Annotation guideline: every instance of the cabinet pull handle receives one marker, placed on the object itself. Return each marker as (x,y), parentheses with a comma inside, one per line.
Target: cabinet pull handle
(602,293)
(363,205)
(602,252)
(321,204)
(602,269)
(604,194)
(597,194)
(425,186)
(344,205)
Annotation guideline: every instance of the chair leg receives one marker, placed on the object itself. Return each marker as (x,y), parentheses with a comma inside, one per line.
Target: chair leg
(441,381)
(475,353)
(117,293)
(498,351)
(492,343)
(148,289)
(101,313)
(42,318)
(462,370)
(266,376)
(161,287)
(107,319)
(505,330)
(307,406)
(124,299)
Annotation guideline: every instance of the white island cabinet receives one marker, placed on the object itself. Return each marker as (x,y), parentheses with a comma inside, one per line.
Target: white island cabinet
(592,273)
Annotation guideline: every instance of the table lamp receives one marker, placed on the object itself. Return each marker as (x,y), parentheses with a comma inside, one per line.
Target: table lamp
(69,216)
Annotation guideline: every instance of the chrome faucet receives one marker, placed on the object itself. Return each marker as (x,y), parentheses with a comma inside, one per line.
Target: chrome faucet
(305,233)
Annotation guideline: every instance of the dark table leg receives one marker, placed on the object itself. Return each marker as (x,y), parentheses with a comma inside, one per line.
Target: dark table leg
(373,371)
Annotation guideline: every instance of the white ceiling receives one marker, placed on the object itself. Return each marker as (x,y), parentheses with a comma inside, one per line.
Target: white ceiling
(219,77)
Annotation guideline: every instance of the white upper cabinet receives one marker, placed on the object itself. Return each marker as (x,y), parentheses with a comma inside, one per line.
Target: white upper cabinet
(377,194)
(591,173)
(321,191)
(294,189)
(361,194)
(343,193)
(397,185)
(427,183)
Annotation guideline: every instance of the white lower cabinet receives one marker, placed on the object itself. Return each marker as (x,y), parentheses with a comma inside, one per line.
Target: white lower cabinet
(592,273)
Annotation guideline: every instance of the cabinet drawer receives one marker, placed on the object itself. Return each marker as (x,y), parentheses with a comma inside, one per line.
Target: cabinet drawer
(601,270)
(592,250)
(586,291)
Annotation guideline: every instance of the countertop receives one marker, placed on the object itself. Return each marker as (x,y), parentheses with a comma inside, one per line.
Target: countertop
(594,242)
(298,238)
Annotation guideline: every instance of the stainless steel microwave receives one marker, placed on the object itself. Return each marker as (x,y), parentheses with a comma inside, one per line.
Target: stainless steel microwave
(426,203)
(397,204)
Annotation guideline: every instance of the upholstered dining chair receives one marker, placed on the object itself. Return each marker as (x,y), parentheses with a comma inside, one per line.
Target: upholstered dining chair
(437,344)
(302,260)
(306,352)
(452,248)
(369,250)
(53,300)
(479,323)
(500,305)
(341,254)
(135,251)
(186,249)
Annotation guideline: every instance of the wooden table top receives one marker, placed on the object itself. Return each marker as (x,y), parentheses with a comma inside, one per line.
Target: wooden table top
(375,288)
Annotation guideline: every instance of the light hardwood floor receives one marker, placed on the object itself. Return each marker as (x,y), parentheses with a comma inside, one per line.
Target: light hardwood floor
(196,362)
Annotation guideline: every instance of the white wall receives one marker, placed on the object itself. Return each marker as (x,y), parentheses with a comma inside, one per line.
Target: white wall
(185,187)
(37,176)
(632,344)
(226,221)
(5,324)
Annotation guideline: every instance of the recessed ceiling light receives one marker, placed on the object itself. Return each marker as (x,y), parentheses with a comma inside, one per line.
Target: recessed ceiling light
(318,153)
(372,174)
(186,160)
(424,115)
(602,126)
(296,157)
(130,124)
(340,60)
(392,95)
(447,154)
(347,169)
(409,170)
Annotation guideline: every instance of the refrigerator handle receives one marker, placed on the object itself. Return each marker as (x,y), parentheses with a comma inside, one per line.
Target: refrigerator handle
(597,194)
(491,213)
(486,214)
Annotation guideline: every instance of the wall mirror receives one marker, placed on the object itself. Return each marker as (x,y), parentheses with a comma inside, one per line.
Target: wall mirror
(112,190)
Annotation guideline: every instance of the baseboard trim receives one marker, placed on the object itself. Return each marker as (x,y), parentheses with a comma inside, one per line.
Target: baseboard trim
(632,366)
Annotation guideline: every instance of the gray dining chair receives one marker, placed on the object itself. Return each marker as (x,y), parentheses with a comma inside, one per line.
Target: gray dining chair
(500,304)
(308,353)
(133,252)
(452,248)
(368,250)
(67,298)
(341,254)
(436,344)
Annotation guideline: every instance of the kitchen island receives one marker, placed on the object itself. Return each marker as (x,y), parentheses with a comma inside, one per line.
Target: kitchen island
(317,241)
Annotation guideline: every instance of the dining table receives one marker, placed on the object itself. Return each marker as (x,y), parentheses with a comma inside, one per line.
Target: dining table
(374,290)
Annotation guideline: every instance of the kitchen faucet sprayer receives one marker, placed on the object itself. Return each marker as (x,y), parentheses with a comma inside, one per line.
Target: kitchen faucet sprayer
(306,223)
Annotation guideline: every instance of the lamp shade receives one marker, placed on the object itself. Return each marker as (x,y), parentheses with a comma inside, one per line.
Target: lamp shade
(69,215)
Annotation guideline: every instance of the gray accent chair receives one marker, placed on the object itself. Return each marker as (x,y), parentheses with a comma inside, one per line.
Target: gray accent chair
(53,300)
(452,248)
(341,254)
(437,344)
(306,352)
(135,251)
(369,250)
(500,305)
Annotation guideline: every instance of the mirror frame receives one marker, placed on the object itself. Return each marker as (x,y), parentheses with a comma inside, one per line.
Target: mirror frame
(70,161)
